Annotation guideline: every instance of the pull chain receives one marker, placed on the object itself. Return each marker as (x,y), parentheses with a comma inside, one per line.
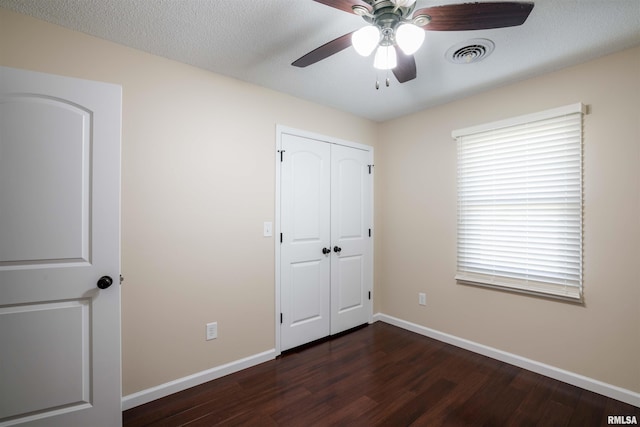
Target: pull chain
(387,81)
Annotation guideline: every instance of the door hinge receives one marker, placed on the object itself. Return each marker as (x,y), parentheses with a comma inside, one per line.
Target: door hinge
(280,237)
(369,294)
(281,155)
(370,166)
(369,232)
(281,318)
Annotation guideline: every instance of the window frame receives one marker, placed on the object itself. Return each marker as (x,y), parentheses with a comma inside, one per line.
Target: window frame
(486,266)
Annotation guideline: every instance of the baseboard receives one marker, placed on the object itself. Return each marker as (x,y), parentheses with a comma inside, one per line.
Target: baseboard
(577,380)
(162,390)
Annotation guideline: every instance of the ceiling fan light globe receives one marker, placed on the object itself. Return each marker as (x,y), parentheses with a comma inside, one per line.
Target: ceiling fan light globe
(404,3)
(365,40)
(386,58)
(409,38)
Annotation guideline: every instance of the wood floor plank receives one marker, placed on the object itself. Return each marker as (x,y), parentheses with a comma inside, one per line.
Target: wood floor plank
(589,410)
(414,408)
(380,375)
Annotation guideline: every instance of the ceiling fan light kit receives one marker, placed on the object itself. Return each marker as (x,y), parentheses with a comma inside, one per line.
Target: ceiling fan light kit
(386,58)
(366,39)
(395,31)
(409,38)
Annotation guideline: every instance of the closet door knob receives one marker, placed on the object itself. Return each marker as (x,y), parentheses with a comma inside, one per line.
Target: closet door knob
(104,282)
(337,249)
(326,251)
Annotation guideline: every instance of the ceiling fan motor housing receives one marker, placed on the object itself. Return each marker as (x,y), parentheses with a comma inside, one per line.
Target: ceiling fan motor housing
(386,14)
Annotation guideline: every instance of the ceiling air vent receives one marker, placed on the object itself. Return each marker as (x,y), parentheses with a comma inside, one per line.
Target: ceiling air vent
(470,51)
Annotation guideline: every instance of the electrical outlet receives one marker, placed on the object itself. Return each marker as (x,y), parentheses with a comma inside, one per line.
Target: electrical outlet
(212,331)
(422,298)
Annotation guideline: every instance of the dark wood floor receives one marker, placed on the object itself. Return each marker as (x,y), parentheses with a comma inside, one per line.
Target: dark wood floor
(381,375)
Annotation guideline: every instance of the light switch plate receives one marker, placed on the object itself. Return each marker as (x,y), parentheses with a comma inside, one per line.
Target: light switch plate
(212,331)
(268,229)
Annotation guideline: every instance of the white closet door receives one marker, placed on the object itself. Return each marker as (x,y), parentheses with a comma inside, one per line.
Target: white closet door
(59,235)
(305,215)
(351,272)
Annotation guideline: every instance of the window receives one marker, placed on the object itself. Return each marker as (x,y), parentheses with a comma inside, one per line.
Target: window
(520,203)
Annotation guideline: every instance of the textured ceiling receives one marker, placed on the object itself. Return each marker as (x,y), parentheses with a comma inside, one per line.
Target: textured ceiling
(257,40)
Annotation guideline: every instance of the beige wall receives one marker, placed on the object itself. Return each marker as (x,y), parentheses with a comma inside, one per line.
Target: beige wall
(416,179)
(198,181)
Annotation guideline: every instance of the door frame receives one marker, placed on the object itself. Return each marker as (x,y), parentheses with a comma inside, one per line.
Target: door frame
(282,130)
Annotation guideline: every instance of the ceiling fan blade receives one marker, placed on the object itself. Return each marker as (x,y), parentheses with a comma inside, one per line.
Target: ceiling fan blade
(406,68)
(324,51)
(475,16)
(345,5)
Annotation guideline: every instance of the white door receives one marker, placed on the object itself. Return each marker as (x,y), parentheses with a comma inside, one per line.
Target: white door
(351,268)
(325,251)
(305,215)
(59,235)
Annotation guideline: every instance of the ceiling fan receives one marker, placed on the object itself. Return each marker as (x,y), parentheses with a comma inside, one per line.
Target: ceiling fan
(395,30)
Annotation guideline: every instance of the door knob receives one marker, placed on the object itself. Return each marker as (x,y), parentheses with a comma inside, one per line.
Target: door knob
(337,249)
(326,251)
(104,282)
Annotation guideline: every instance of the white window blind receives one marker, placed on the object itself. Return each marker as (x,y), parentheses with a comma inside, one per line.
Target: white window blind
(520,203)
